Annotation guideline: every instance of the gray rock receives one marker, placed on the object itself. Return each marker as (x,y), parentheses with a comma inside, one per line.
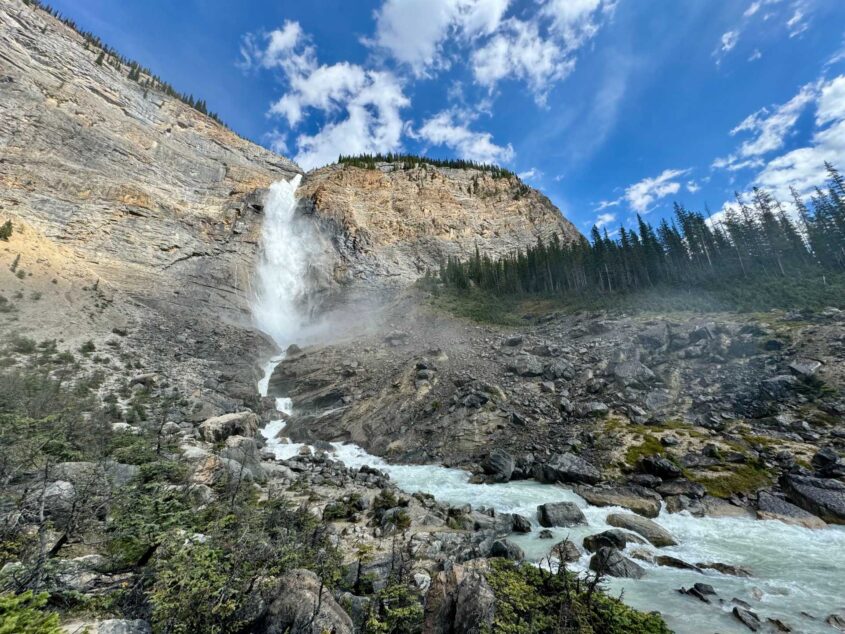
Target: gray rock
(221,427)
(632,372)
(610,561)
(559,369)
(770,507)
(526,365)
(822,497)
(748,618)
(804,367)
(122,626)
(521,524)
(506,549)
(634,498)
(652,531)
(566,551)
(613,538)
(292,604)
(567,467)
(499,465)
(592,409)
(660,467)
(560,514)
(779,387)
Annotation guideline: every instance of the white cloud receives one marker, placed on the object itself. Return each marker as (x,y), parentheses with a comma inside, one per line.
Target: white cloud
(641,195)
(519,51)
(798,23)
(530,174)
(277,142)
(693,187)
(769,129)
(803,168)
(361,107)
(604,204)
(755,55)
(604,219)
(413,31)
(575,20)
(729,40)
(451,128)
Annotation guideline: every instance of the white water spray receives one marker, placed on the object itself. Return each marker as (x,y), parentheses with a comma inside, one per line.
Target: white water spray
(795,569)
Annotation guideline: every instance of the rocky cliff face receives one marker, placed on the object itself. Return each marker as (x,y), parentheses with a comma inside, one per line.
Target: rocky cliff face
(390,225)
(151,194)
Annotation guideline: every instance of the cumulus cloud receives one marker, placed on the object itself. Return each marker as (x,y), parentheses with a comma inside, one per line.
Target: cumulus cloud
(451,129)
(641,195)
(413,31)
(361,107)
(531,174)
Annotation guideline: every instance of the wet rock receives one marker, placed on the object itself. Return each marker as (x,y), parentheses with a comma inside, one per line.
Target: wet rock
(567,467)
(777,625)
(725,569)
(661,467)
(613,538)
(521,524)
(293,607)
(506,549)
(770,507)
(653,532)
(499,465)
(701,591)
(748,618)
(566,551)
(634,498)
(560,514)
(823,497)
(545,534)
(836,621)
(611,562)
(674,562)
(221,427)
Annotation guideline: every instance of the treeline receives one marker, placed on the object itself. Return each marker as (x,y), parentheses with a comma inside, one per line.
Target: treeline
(135,72)
(756,238)
(410,161)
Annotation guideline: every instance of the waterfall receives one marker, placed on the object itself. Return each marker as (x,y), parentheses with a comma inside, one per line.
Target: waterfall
(282,273)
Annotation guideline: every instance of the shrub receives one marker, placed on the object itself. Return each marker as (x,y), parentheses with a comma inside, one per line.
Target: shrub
(6,231)
(24,614)
(88,347)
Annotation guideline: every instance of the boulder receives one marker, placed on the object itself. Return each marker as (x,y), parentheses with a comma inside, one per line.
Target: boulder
(298,603)
(506,549)
(674,562)
(634,498)
(770,507)
(661,467)
(499,465)
(459,601)
(748,618)
(220,428)
(610,561)
(822,497)
(652,531)
(520,524)
(681,486)
(593,409)
(567,467)
(632,372)
(613,538)
(566,551)
(526,365)
(560,514)
(559,369)
(244,451)
(804,367)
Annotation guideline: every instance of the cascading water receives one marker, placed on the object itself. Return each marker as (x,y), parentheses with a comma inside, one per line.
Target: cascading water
(795,569)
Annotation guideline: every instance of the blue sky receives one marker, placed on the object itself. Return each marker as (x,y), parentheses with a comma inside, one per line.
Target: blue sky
(610,107)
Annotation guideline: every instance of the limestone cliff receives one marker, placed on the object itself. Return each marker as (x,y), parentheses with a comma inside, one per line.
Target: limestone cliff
(391,224)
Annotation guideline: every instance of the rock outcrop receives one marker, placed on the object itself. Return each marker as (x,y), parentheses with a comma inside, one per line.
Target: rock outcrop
(392,224)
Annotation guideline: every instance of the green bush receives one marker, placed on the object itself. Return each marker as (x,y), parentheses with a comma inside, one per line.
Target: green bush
(532,600)
(24,614)
(394,610)
(6,230)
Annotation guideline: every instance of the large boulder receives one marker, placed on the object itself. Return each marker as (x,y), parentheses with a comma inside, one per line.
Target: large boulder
(661,467)
(613,538)
(822,497)
(499,465)
(609,561)
(299,603)
(460,601)
(220,428)
(244,451)
(526,365)
(770,507)
(652,531)
(567,467)
(506,549)
(632,372)
(560,514)
(634,498)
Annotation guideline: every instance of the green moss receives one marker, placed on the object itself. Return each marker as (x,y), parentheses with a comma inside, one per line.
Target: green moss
(649,446)
(745,478)
(531,600)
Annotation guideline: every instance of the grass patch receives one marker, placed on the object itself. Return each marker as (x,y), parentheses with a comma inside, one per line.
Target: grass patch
(743,479)
(649,446)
